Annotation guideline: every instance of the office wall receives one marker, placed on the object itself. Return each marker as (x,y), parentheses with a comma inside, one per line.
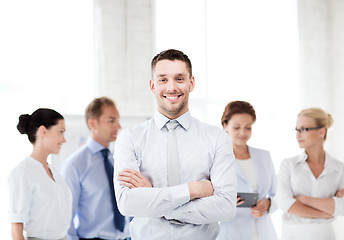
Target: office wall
(321,34)
(124,43)
(337,75)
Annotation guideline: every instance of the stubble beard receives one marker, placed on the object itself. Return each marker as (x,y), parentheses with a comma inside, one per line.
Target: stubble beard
(169,111)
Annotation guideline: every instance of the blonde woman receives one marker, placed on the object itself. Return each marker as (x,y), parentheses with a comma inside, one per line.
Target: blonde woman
(310,185)
(40,202)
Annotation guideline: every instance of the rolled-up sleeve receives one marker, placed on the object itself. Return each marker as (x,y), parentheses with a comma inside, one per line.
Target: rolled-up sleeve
(19,196)
(339,202)
(284,196)
(338,207)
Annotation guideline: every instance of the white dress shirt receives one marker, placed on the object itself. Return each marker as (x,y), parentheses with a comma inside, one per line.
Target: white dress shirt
(205,153)
(42,204)
(295,178)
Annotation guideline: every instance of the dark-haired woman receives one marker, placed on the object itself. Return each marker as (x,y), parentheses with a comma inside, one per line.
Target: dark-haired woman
(40,201)
(255,173)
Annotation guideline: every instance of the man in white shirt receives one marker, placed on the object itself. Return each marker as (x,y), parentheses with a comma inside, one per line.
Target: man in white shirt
(187,200)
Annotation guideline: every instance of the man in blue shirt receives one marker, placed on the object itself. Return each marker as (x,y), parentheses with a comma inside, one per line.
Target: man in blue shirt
(173,173)
(86,173)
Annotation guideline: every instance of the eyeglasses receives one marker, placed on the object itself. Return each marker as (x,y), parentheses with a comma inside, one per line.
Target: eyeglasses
(301,130)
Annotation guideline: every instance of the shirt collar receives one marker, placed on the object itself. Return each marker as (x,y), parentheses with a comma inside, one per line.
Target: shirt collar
(330,164)
(93,145)
(184,120)
(302,157)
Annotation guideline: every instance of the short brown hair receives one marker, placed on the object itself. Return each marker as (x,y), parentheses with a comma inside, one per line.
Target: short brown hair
(94,108)
(172,54)
(237,107)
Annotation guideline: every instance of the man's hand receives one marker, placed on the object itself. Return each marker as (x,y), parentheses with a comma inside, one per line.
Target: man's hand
(262,206)
(200,189)
(132,179)
(340,193)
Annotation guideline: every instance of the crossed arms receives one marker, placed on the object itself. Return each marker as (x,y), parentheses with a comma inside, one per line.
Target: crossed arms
(134,179)
(193,202)
(306,206)
(196,202)
(310,207)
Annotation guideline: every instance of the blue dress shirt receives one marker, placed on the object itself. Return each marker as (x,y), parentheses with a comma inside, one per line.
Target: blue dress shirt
(85,174)
(205,153)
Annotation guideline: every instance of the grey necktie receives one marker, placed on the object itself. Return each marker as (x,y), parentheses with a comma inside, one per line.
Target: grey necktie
(172,155)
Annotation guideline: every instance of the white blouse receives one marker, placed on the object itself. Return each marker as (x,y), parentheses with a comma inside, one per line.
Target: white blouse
(42,204)
(295,178)
(247,167)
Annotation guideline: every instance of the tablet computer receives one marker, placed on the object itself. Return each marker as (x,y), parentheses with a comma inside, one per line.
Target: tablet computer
(250,199)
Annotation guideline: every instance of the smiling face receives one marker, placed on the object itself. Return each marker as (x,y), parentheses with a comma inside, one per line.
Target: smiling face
(311,138)
(54,137)
(239,128)
(171,85)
